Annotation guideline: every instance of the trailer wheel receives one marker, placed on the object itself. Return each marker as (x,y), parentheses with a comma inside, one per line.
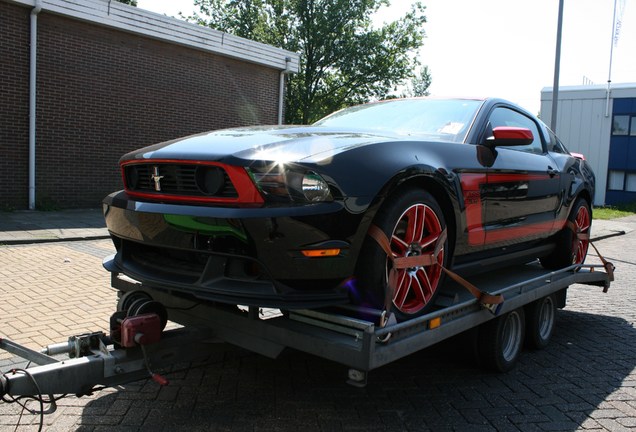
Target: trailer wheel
(501,341)
(540,319)
(413,222)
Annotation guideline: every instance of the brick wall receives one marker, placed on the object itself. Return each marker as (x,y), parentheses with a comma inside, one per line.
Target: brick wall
(102,93)
(14,106)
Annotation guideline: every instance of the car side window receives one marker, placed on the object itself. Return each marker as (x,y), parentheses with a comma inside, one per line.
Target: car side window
(555,145)
(501,116)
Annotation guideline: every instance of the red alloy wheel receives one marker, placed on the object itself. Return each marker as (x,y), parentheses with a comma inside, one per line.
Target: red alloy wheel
(582,226)
(416,233)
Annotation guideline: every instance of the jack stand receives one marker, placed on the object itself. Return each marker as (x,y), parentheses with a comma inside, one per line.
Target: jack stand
(357,378)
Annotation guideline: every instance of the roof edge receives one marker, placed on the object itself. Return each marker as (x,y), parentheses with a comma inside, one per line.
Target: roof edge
(139,21)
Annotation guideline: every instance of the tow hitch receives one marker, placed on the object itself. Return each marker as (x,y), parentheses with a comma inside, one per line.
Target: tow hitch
(137,344)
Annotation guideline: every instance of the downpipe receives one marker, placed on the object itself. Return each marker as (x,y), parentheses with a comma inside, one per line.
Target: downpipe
(281,89)
(33,50)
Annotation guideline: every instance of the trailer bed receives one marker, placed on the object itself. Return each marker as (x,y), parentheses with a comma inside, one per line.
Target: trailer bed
(337,334)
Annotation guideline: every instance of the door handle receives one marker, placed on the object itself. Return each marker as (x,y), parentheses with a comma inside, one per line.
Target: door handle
(552,172)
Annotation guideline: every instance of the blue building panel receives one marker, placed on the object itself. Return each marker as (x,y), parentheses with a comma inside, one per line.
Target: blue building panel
(624,106)
(619,154)
(613,197)
(631,154)
(622,152)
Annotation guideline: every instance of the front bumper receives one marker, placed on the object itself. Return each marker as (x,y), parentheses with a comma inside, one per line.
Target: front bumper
(247,256)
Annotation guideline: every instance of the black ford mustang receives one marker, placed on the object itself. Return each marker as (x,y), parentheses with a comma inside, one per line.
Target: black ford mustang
(279,216)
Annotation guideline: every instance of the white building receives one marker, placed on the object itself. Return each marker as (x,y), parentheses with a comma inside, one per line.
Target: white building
(604,130)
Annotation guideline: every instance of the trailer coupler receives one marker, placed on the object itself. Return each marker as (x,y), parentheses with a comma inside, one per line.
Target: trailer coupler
(80,346)
(97,364)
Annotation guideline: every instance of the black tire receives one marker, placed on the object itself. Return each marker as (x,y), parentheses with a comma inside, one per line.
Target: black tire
(501,341)
(569,249)
(540,321)
(413,209)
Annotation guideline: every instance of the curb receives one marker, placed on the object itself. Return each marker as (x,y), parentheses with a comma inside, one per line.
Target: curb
(51,240)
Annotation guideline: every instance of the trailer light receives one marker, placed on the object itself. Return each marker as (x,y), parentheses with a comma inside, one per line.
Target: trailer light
(434,323)
(318,253)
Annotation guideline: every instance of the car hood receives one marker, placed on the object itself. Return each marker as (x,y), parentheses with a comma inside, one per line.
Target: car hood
(269,143)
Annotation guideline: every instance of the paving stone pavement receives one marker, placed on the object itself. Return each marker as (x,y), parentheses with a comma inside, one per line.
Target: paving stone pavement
(28,227)
(584,380)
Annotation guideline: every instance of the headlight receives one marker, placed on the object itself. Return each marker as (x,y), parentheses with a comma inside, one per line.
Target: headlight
(280,182)
(315,188)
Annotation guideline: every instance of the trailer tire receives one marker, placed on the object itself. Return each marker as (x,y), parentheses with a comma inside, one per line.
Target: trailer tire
(540,320)
(412,221)
(501,341)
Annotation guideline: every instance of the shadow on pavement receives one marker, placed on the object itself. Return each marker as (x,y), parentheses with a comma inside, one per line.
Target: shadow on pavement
(63,219)
(574,383)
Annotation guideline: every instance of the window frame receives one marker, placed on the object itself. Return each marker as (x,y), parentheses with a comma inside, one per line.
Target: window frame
(626,130)
(609,180)
(538,146)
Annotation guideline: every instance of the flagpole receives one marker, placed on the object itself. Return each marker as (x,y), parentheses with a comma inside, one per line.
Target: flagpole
(557,66)
(609,76)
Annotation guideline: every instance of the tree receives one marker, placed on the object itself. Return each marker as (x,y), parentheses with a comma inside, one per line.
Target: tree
(129,2)
(345,60)
(419,84)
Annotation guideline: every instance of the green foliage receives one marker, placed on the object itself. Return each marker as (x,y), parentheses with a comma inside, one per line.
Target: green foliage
(129,2)
(417,86)
(614,212)
(345,60)
(6,208)
(46,203)
(421,82)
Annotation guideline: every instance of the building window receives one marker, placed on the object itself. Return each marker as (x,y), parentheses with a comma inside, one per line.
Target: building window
(632,129)
(616,180)
(630,184)
(620,125)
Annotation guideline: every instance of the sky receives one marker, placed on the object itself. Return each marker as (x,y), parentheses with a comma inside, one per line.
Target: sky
(506,48)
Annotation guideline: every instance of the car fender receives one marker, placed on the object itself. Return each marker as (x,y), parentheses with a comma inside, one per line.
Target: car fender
(583,184)
(438,182)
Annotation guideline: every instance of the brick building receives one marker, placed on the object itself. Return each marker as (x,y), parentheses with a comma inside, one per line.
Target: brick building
(110,78)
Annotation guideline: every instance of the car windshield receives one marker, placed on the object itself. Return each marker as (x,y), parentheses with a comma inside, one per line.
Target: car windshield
(434,119)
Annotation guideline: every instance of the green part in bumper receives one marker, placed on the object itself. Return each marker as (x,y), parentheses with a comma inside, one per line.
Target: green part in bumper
(206,225)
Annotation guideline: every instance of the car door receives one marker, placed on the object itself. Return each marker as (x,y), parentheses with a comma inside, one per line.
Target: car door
(522,191)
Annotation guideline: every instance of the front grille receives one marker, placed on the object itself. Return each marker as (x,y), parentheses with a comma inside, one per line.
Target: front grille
(196,180)
(191,266)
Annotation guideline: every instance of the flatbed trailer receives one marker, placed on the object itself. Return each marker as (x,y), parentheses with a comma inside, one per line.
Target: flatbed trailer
(531,294)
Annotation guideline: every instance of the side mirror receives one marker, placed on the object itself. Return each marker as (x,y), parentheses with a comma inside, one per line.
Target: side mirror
(509,136)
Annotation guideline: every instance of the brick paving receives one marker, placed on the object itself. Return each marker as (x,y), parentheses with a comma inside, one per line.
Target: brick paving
(584,380)
(27,227)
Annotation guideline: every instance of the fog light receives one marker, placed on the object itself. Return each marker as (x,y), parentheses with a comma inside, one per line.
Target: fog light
(132,177)
(210,180)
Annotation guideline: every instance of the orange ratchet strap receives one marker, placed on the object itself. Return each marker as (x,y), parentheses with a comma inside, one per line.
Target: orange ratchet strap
(491,302)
